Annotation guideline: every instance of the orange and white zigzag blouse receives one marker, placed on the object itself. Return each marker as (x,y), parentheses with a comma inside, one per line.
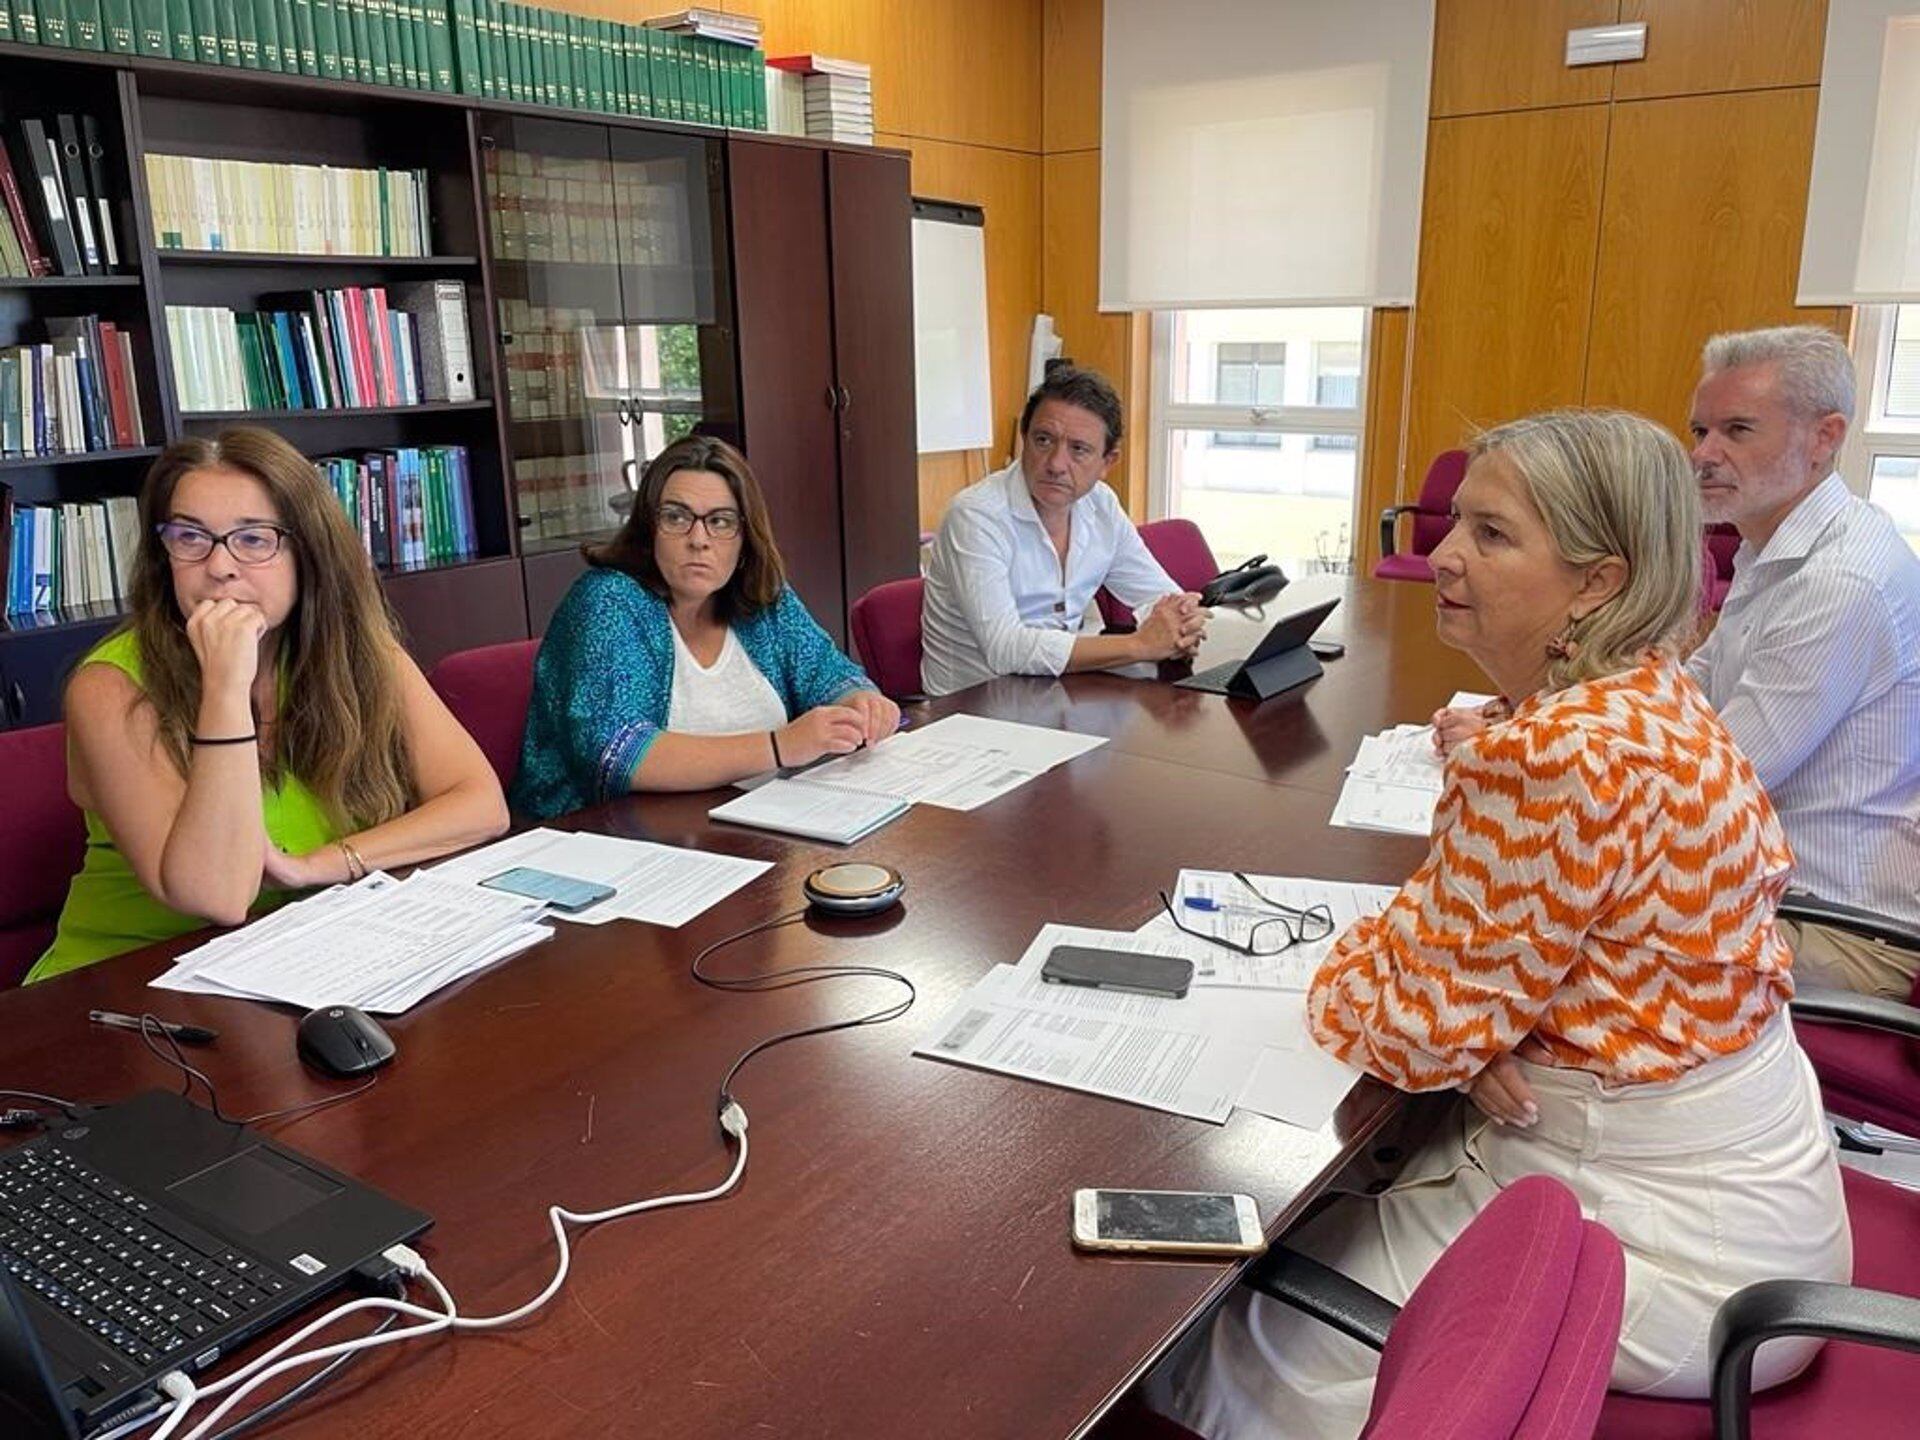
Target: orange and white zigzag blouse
(1603,877)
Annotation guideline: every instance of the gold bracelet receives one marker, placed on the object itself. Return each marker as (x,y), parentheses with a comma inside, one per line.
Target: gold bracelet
(356,867)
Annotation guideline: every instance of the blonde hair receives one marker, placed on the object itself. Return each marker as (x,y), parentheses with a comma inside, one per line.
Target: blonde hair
(1612,484)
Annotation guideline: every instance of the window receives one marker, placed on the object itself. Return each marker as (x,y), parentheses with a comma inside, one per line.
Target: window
(1253,374)
(1261,453)
(1882,459)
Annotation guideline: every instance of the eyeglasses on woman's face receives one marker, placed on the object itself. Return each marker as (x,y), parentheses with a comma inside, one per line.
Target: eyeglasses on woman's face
(249,544)
(721,524)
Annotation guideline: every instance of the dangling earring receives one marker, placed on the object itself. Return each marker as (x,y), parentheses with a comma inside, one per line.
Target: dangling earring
(1564,646)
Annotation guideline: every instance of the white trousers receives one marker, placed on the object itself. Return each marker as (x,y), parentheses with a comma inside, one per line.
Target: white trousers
(1711,1182)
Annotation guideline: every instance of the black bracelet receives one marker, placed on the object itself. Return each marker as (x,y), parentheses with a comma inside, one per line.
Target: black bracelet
(773,739)
(224,739)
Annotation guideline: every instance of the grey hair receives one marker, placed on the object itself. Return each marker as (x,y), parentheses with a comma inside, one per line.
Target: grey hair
(1815,370)
(1610,483)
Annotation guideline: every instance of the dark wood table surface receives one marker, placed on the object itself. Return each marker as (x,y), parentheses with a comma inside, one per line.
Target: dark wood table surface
(896,1260)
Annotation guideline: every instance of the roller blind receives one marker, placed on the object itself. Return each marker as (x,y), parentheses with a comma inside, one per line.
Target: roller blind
(1262,152)
(1862,241)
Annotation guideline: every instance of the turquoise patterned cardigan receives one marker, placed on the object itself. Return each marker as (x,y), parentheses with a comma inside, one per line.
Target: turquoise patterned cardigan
(604,678)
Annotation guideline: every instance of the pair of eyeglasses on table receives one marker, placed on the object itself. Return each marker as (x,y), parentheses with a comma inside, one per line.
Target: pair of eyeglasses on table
(1275,926)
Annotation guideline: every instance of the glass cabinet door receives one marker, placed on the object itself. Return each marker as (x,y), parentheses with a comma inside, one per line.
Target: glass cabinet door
(609,295)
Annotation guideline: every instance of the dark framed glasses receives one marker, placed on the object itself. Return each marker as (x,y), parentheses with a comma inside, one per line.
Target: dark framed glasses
(1272,928)
(678,520)
(249,544)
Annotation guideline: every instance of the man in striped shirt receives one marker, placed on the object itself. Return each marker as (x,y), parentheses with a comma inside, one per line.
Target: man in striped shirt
(1814,665)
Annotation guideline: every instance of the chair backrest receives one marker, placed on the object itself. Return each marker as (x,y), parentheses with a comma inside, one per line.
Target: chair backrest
(1183,553)
(42,844)
(1481,1338)
(488,691)
(1431,524)
(886,636)
(1718,547)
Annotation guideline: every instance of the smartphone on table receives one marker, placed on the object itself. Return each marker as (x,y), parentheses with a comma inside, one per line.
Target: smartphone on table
(1170,1222)
(1139,974)
(562,892)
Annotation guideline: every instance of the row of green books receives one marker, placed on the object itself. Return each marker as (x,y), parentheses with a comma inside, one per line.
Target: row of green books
(379,42)
(490,49)
(535,56)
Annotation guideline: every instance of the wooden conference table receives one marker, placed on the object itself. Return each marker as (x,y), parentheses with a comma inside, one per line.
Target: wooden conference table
(896,1261)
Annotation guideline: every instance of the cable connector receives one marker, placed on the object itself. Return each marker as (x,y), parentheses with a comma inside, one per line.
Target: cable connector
(733,1119)
(406,1259)
(176,1386)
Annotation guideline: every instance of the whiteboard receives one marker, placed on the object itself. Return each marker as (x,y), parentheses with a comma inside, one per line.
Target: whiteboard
(951,377)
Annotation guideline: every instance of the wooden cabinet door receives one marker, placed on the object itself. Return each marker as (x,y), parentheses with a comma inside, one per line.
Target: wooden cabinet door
(872,217)
(788,403)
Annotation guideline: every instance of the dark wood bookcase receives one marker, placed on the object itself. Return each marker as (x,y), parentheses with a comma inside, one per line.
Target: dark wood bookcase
(755,286)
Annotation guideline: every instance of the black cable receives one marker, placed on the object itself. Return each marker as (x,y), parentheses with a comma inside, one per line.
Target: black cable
(768,980)
(151,1024)
(305,1388)
(69,1108)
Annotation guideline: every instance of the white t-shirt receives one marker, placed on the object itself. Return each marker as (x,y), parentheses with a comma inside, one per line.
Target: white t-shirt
(725,698)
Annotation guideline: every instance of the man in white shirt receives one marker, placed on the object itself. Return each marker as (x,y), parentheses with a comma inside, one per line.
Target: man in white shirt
(1815,662)
(1020,554)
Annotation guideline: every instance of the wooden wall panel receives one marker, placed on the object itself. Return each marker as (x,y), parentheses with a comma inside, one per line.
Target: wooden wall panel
(1705,201)
(1697,46)
(1070,265)
(1382,467)
(1511,55)
(1071,46)
(1509,231)
(1007,185)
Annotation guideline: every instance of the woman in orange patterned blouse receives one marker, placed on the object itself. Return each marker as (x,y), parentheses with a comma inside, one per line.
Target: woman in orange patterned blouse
(1589,949)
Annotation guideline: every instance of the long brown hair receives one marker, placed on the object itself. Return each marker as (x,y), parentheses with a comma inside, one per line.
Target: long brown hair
(757,579)
(340,731)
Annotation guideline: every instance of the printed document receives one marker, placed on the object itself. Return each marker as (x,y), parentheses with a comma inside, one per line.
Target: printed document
(1218,904)
(959,763)
(1396,778)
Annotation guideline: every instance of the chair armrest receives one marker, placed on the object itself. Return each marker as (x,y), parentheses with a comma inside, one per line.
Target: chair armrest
(1847,1007)
(1810,909)
(1775,1308)
(1387,518)
(1324,1293)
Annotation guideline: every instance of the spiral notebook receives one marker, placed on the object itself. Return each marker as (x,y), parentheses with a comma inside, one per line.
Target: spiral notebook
(813,810)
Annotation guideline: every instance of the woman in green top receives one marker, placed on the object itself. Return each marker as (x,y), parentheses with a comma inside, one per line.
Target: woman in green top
(254,727)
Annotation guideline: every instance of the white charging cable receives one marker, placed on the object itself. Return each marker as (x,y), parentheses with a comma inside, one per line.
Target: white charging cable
(263,1368)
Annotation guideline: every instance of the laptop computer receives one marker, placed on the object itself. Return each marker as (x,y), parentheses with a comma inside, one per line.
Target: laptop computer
(150,1237)
(1279,662)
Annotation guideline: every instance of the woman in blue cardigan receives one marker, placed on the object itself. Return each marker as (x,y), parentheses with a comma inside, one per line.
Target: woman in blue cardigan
(681,660)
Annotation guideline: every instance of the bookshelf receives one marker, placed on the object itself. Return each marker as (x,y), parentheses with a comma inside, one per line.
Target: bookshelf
(590,351)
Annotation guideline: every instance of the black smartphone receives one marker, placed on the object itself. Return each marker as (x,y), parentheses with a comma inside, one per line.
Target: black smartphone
(1167,975)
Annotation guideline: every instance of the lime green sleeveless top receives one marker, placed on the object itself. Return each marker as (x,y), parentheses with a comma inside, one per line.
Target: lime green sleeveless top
(108,910)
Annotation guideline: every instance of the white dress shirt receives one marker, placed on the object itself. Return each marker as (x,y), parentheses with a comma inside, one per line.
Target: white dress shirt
(725,698)
(1815,670)
(999,602)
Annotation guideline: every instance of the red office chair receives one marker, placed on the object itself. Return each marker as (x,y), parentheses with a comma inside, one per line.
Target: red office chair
(1719,546)
(886,636)
(41,845)
(1856,1386)
(1183,553)
(1432,519)
(488,690)
(1510,1336)
(1866,1050)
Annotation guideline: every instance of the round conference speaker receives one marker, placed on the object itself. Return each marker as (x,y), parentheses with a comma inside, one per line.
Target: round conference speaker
(855,888)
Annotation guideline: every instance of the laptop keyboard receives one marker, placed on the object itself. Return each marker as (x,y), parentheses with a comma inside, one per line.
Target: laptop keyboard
(108,1260)
(1214,675)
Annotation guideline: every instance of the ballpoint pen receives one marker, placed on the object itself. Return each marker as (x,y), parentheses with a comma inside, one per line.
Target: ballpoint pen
(185,1034)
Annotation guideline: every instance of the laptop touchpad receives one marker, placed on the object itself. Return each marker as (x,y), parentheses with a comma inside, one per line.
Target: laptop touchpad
(255,1191)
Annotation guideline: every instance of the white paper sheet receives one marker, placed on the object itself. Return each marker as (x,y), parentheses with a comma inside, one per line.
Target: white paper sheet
(958,763)
(1290,969)
(658,884)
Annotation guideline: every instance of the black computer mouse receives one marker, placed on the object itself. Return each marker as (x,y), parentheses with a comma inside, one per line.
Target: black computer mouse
(344,1041)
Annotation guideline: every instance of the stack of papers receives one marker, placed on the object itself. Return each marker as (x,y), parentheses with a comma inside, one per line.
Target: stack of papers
(959,763)
(657,884)
(713,24)
(381,944)
(1395,780)
(1215,1049)
(812,809)
(837,96)
(1215,902)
